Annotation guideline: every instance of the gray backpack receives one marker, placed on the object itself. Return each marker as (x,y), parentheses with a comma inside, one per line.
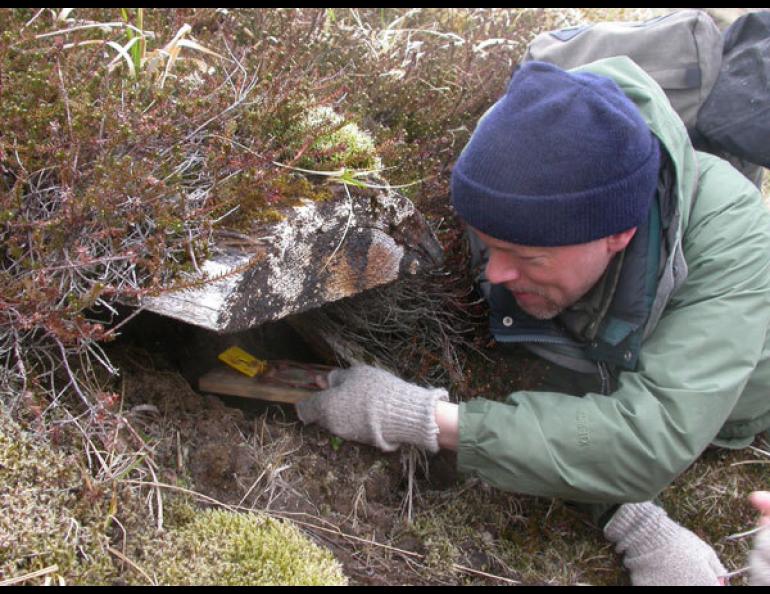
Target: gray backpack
(735,118)
(682,51)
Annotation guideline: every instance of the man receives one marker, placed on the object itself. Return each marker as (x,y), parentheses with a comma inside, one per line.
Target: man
(759,557)
(636,265)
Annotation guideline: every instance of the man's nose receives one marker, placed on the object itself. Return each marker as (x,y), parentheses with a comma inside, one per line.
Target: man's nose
(501,269)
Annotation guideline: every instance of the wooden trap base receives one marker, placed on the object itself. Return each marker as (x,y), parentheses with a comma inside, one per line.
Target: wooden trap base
(284,382)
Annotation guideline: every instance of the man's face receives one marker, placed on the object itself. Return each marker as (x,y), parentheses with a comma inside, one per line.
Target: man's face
(546,280)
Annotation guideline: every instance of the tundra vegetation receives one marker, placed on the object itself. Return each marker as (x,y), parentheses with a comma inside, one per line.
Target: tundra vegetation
(131,141)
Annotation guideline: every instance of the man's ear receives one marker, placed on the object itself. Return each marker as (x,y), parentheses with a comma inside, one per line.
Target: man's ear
(618,242)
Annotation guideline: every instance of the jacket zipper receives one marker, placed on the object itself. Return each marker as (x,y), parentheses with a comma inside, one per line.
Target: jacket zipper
(604,374)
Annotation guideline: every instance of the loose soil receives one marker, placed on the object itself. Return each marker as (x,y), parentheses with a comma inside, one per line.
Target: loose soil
(397,518)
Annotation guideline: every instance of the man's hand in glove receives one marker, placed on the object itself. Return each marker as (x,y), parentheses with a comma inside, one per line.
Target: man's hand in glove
(372,406)
(658,551)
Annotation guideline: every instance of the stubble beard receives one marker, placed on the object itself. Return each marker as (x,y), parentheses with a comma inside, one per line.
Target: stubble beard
(547,310)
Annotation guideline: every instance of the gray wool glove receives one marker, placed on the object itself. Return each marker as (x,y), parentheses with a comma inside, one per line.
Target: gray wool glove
(660,552)
(372,406)
(759,559)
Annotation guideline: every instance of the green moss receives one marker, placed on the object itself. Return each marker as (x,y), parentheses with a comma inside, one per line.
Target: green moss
(269,215)
(711,499)
(226,548)
(51,515)
(259,200)
(532,540)
(46,516)
(340,144)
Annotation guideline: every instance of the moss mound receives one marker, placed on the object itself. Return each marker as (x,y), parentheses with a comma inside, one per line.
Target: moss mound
(226,548)
(46,519)
(51,521)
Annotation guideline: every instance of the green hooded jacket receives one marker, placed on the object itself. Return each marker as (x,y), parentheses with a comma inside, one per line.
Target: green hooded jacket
(703,370)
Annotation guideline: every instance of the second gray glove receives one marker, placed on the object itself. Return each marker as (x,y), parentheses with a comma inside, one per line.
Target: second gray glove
(658,551)
(372,406)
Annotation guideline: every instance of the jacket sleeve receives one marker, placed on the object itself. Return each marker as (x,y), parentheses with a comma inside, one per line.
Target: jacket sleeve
(692,369)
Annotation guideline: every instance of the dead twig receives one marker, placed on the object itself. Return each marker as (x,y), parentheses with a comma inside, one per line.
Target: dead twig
(345,232)
(131,563)
(29,576)
(310,526)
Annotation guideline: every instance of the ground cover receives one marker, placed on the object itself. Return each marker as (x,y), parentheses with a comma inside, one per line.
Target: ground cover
(119,168)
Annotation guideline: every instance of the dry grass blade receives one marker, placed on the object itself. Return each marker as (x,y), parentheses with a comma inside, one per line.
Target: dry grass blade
(123,53)
(84,27)
(63,14)
(171,51)
(33,19)
(333,530)
(131,563)
(197,46)
(760,451)
(84,43)
(731,574)
(741,535)
(29,576)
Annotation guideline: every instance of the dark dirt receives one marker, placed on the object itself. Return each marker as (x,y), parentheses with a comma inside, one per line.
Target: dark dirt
(395,518)
(259,456)
(355,500)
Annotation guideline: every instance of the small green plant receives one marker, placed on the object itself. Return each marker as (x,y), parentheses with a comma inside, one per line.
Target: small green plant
(339,142)
(136,39)
(134,53)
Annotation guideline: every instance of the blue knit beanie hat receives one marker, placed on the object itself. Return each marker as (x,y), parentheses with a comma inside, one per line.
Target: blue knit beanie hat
(562,158)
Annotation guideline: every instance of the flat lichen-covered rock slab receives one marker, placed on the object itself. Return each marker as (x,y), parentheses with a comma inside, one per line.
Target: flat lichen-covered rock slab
(318,253)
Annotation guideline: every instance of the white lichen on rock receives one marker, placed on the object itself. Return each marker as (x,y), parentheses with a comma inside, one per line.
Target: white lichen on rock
(398,207)
(203,305)
(319,251)
(288,265)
